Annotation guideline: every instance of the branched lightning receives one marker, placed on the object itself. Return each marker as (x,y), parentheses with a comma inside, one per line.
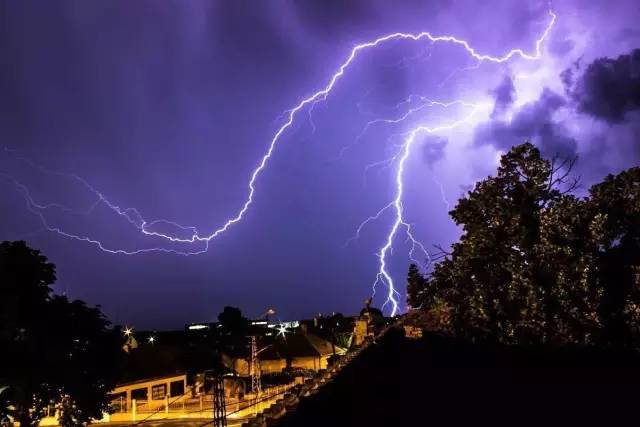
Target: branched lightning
(37,209)
(423,103)
(149,228)
(443,195)
(383,276)
(131,215)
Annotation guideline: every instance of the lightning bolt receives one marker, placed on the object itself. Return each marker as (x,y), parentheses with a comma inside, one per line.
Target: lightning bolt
(443,195)
(383,276)
(134,217)
(131,215)
(36,209)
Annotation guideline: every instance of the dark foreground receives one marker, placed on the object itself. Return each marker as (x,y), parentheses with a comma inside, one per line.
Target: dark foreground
(431,381)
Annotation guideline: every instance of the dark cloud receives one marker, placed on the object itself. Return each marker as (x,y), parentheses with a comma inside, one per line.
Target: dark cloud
(168,108)
(533,122)
(608,89)
(568,76)
(504,96)
(433,149)
(561,47)
(609,149)
(331,14)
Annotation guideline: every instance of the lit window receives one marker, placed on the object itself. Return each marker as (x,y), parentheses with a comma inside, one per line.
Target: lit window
(158,392)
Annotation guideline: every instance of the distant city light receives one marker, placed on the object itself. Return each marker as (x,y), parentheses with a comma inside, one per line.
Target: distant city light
(151,339)
(258,322)
(127,331)
(197,327)
(282,330)
(289,325)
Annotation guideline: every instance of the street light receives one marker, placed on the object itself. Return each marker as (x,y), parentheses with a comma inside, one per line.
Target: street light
(282,330)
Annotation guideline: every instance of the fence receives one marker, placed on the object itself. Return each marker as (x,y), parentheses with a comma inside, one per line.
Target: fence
(186,406)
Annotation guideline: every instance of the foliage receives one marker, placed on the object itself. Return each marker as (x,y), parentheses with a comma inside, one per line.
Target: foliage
(70,414)
(535,264)
(232,321)
(234,329)
(5,406)
(616,206)
(55,349)
(343,339)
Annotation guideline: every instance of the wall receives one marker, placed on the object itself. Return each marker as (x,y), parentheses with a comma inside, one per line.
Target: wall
(125,390)
(272,366)
(312,363)
(360,332)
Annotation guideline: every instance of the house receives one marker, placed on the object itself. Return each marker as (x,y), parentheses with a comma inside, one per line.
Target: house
(151,392)
(412,331)
(370,322)
(300,350)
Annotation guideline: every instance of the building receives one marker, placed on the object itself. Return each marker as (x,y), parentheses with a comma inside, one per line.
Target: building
(296,351)
(150,392)
(370,322)
(412,331)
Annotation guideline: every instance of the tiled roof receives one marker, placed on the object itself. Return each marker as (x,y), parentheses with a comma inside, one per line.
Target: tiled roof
(298,345)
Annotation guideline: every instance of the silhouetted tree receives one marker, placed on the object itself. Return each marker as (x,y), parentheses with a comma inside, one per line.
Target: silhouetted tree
(232,321)
(615,207)
(56,351)
(567,255)
(234,328)
(418,293)
(5,406)
(524,270)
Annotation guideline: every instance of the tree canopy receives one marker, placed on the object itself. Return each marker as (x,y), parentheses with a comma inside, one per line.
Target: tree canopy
(56,351)
(234,329)
(536,264)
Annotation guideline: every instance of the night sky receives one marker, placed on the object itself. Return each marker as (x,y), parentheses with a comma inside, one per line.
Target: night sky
(167,107)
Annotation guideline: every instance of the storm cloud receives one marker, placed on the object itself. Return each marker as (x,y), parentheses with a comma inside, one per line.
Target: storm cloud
(168,107)
(433,149)
(533,122)
(504,95)
(608,88)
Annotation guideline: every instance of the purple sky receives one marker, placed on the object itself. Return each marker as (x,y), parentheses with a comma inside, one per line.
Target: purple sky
(169,106)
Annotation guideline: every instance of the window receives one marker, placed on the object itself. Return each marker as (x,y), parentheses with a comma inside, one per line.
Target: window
(119,402)
(158,391)
(176,388)
(139,394)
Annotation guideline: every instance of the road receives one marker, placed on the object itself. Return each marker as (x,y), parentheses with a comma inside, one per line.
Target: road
(175,423)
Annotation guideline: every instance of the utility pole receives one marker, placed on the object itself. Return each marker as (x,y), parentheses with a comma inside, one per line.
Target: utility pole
(256,386)
(254,364)
(219,404)
(217,394)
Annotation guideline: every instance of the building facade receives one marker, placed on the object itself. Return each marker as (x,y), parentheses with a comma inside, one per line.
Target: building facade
(149,393)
